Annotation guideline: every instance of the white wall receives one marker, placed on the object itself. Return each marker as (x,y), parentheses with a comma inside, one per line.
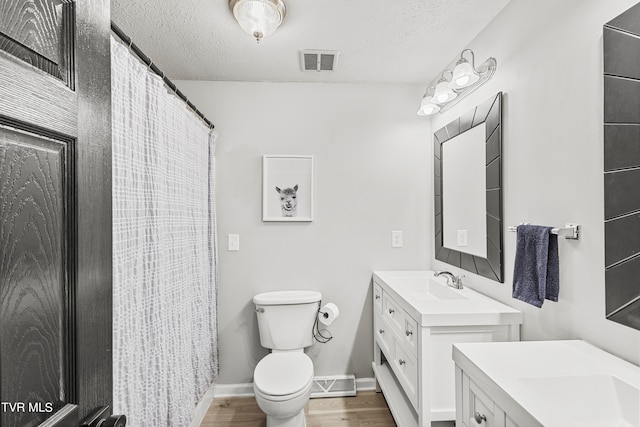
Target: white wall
(373,175)
(373,172)
(549,57)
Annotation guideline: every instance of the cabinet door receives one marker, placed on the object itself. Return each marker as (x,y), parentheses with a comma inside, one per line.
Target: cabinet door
(442,367)
(406,368)
(508,422)
(482,409)
(377,298)
(384,336)
(392,313)
(410,334)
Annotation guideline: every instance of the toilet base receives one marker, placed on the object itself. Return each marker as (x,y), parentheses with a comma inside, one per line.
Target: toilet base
(298,420)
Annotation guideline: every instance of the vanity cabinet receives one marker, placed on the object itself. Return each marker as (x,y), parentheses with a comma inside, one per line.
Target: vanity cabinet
(477,409)
(417,319)
(544,383)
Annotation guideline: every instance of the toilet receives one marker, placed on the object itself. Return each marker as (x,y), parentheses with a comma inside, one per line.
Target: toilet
(282,380)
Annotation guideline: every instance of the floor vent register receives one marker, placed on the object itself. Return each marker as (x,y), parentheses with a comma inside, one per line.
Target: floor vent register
(333,386)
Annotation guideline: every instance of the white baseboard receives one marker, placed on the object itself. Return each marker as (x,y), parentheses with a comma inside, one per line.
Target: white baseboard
(202,407)
(365,384)
(246,389)
(233,390)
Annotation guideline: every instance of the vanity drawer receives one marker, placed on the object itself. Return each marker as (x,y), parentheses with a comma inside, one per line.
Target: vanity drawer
(393,314)
(508,422)
(481,404)
(411,334)
(383,335)
(406,368)
(377,298)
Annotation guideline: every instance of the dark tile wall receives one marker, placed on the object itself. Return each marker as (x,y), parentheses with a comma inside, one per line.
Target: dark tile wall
(621,148)
(621,44)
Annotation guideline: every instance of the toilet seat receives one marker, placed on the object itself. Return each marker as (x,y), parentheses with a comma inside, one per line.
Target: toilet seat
(283,376)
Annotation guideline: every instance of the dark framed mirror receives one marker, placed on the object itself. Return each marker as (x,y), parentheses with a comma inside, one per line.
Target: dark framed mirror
(468,191)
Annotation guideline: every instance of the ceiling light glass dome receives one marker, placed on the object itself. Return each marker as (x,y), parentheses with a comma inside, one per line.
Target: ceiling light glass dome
(258,18)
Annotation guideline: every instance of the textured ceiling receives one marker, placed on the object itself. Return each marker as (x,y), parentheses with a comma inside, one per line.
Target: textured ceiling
(406,41)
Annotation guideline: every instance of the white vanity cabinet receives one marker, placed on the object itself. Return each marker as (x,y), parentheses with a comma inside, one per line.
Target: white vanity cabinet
(417,318)
(544,383)
(476,409)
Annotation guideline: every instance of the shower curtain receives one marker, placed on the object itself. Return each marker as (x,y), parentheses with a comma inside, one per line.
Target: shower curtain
(164,249)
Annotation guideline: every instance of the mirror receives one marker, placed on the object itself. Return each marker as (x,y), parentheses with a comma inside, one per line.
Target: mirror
(464,182)
(468,191)
(621,47)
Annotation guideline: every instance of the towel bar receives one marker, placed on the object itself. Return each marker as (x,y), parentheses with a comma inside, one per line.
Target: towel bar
(569,231)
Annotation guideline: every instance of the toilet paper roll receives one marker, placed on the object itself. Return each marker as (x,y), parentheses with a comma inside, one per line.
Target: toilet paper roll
(329,313)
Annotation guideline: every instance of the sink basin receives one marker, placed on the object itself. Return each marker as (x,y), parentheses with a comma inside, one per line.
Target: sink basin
(432,303)
(427,288)
(589,400)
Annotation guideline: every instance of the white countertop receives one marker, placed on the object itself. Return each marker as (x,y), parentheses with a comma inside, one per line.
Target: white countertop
(559,383)
(472,308)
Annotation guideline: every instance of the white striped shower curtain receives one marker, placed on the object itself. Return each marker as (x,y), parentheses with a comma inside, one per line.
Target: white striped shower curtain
(164,261)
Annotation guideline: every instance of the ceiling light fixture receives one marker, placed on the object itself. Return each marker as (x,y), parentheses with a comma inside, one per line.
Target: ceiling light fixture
(258,18)
(465,78)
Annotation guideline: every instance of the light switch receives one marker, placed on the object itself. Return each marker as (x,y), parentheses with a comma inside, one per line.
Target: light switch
(396,239)
(233,242)
(462,238)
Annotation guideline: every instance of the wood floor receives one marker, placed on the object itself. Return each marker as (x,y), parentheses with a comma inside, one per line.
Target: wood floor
(368,409)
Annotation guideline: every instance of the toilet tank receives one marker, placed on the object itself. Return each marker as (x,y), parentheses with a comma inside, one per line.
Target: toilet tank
(286,318)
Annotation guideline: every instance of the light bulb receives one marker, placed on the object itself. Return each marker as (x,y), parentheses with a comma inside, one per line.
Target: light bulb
(463,76)
(443,93)
(462,81)
(428,106)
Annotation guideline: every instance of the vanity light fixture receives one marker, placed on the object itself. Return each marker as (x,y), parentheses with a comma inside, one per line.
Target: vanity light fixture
(465,78)
(444,93)
(464,73)
(428,105)
(258,18)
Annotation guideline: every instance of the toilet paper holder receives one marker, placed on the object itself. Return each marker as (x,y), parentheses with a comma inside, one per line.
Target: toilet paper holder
(328,313)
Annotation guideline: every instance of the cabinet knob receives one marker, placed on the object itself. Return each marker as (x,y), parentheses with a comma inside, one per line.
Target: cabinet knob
(381,331)
(409,333)
(377,296)
(401,362)
(391,311)
(479,418)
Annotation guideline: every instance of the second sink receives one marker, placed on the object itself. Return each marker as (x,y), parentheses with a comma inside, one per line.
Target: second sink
(589,400)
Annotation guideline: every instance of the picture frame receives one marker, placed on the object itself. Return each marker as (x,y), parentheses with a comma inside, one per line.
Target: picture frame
(287,188)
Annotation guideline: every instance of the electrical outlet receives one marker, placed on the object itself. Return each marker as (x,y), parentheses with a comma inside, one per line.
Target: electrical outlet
(462,238)
(396,239)
(233,242)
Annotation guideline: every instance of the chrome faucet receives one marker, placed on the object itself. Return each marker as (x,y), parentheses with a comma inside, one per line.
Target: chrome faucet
(456,281)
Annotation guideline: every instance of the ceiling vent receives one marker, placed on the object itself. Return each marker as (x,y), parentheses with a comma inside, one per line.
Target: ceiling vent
(318,60)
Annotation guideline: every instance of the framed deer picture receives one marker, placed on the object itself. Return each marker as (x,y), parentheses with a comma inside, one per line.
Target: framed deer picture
(287,188)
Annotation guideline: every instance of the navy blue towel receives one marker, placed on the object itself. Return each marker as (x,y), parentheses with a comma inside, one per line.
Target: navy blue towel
(536,274)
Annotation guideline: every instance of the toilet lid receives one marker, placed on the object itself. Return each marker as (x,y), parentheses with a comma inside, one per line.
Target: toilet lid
(279,374)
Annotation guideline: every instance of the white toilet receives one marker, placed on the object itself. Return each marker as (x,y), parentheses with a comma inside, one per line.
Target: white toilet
(282,379)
